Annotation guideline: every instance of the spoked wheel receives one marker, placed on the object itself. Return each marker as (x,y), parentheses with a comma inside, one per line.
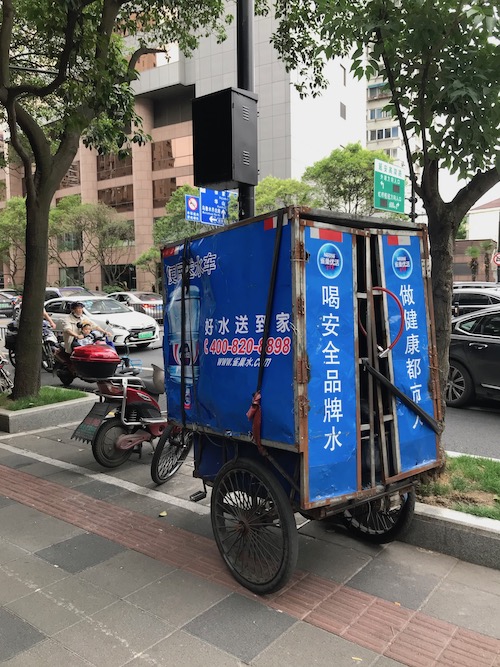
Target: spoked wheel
(375,521)
(65,375)
(103,444)
(170,453)
(6,383)
(254,526)
(12,357)
(47,358)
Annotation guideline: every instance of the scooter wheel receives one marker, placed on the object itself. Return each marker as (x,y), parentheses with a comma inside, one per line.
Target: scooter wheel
(103,444)
(65,376)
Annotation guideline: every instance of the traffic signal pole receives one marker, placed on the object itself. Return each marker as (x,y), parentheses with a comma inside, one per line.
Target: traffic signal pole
(245,69)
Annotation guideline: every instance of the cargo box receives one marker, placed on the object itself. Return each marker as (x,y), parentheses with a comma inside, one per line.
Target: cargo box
(96,362)
(347,385)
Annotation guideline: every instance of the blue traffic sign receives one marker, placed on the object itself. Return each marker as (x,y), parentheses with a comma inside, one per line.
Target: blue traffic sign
(214,206)
(192,208)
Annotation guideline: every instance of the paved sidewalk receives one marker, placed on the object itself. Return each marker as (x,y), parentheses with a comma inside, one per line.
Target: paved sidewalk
(91,574)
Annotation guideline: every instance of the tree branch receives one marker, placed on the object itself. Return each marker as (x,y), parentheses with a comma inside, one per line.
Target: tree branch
(5,40)
(478,186)
(141,52)
(62,75)
(401,119)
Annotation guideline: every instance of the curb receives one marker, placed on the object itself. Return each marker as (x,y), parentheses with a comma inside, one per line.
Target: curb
(45,416)
(472,539)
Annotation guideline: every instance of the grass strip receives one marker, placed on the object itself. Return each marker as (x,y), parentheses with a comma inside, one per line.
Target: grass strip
(46,396)
(468,484)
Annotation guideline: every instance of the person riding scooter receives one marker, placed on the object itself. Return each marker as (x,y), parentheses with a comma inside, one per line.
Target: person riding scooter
(71,329)
(87,335)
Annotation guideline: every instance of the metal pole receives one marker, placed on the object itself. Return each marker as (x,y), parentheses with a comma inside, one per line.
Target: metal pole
(245,69)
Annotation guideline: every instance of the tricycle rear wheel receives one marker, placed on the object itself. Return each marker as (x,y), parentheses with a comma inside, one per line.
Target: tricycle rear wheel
(376,523)
(254,526)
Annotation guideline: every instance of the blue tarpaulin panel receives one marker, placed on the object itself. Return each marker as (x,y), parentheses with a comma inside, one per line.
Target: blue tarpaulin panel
(410,357)
(225,311)
(330,307)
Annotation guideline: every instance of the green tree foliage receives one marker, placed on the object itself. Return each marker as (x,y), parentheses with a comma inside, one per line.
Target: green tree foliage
(461,233)
(440,61)
(90,236)
(344,180)
(65,74)
(272,193)
(473,251)
(487,247)
(149,262)
(12,237)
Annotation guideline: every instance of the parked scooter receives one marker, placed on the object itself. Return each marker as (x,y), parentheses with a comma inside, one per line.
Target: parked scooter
(49,344)
(64,366)
(127,415)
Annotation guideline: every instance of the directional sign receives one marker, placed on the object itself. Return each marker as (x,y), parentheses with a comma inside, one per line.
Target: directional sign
(496,259)
(213,205)
(388,187)
(192,208)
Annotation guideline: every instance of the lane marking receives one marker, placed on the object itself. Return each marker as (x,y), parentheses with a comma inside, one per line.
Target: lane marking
(202,510)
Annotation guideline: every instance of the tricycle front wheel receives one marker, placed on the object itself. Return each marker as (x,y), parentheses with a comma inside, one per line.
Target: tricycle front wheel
(374,521)
(170,453)
(254,526)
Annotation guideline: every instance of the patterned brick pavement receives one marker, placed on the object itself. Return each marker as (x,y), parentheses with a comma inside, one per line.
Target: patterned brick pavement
(409,636)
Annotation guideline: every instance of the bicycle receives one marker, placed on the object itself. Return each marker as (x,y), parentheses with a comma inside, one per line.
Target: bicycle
(170,453)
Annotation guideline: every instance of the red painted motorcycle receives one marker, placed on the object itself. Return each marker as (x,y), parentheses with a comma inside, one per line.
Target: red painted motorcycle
(130,416)
(128,413)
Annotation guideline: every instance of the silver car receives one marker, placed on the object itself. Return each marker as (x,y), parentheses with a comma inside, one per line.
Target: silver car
(148,303)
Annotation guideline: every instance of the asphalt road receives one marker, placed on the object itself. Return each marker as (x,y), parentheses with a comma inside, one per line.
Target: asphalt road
(473,430)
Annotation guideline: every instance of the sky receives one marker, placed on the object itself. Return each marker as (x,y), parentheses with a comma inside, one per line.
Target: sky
(449,186)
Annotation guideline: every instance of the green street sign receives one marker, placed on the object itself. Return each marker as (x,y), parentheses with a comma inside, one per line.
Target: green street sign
(388,187)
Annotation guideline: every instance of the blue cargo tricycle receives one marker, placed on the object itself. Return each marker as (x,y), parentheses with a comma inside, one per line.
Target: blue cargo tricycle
(300,362)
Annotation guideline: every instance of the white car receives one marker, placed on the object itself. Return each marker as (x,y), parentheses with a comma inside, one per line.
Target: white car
(126,326)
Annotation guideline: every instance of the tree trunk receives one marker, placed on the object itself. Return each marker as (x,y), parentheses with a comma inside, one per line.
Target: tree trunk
(441,235)
(29,348)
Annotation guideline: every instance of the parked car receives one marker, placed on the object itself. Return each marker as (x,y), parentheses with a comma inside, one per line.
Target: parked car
(6,305)
(474,357)
(468,300)
(127,327)
(11,292)
(70,290)
(475,284)
(149,303)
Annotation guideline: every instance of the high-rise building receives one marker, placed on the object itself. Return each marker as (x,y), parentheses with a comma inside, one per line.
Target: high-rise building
(293,133)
